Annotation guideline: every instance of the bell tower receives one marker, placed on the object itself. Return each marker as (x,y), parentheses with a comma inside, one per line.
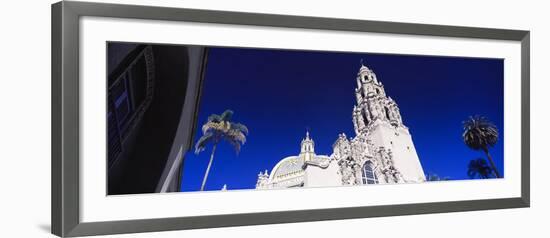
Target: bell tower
(372,103)
(307,149)
(377,117)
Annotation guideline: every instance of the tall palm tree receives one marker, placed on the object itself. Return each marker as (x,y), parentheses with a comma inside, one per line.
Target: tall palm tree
(479,168)
(481,134)
(216,129)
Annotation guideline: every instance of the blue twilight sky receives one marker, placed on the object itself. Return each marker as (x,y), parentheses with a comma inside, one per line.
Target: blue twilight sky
(278,94)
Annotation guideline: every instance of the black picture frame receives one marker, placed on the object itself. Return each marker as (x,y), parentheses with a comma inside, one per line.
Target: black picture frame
(65,117)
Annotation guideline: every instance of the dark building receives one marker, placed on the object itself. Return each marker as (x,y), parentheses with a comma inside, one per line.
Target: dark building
(153,93)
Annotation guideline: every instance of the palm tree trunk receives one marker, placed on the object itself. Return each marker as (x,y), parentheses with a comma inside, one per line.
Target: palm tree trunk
(208,168)
(495,171)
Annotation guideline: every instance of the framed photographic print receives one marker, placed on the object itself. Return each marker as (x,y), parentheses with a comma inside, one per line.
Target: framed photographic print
(158,114)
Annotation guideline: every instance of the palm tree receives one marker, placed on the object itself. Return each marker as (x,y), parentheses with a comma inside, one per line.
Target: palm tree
(479,168)
(480,134)
(216,129)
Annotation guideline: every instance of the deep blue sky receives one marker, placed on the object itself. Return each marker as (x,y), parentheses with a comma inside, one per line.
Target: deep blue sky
(278,94)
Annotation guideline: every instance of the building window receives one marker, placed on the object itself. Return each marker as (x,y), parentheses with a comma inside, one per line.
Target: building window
(368,174)
(130,92)
(121,102)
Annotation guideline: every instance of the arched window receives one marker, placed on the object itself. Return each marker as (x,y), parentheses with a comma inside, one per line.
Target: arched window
(368,173)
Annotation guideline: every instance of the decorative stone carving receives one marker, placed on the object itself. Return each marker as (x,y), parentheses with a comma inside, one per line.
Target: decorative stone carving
(355,126)
(341,148)
(263,178)
(360,121)
(360,147)
(358,96)
(390,173)
(348,168)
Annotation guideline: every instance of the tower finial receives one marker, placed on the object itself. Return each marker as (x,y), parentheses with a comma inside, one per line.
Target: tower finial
(362,63)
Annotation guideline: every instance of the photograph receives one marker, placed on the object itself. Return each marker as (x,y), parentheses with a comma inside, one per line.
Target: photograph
(266,119)
(181,118)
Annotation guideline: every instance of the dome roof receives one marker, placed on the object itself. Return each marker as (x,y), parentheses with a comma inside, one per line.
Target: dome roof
(295,165)
(288,165)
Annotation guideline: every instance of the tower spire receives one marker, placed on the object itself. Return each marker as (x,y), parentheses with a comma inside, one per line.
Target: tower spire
(307,145)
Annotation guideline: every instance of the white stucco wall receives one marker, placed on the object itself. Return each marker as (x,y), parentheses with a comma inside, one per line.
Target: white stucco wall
(399,141)
(322,177)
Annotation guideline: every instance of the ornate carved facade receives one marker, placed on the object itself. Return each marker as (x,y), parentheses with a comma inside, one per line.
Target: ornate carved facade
(381,151)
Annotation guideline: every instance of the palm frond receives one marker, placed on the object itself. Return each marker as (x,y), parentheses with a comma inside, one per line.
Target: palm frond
(203,141)
(214,118)
(212,126)
(236,135)
(220,127)
(479,168)
(227,115)
(236,145)
(479,133)
(471,173)
(240,127)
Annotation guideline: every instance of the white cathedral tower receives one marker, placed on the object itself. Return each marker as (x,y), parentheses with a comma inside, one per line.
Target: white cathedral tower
(382,150)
